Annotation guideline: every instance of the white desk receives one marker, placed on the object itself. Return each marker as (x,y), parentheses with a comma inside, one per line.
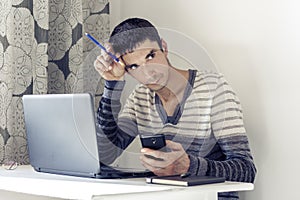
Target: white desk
(24,183)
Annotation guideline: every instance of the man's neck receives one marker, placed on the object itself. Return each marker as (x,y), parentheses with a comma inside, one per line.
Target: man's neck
(175,87)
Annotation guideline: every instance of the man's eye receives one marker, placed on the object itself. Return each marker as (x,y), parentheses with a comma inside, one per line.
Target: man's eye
(133,67)
(151,56)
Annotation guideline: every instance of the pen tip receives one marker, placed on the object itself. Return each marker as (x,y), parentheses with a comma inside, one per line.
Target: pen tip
(86,33)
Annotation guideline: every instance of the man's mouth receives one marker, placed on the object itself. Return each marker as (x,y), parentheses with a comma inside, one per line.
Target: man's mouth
(153,80)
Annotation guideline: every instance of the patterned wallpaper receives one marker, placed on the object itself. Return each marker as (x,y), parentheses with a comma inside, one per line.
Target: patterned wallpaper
(42,50)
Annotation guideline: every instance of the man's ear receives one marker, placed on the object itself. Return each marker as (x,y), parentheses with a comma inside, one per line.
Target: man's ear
(164,46)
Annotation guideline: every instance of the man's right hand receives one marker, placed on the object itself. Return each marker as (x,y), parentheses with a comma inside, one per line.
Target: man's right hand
(108,68)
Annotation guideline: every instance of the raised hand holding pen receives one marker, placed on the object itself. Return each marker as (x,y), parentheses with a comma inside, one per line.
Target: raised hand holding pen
(107,64)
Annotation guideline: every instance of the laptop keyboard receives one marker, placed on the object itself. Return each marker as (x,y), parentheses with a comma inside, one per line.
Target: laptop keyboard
(118,172)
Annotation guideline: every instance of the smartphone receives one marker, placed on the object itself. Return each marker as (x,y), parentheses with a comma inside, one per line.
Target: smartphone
(156,141)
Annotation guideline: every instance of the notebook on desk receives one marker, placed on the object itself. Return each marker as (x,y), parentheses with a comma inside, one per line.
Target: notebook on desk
(61,137)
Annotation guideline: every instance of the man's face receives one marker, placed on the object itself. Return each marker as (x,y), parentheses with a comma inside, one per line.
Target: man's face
(148,64)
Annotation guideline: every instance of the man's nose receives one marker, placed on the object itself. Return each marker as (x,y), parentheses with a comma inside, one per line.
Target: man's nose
(148,70)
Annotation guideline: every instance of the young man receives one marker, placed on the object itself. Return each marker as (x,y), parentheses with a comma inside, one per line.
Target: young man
(198,112)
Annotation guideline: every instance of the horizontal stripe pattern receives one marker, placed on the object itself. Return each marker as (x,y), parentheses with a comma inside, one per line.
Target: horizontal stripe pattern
(210,128)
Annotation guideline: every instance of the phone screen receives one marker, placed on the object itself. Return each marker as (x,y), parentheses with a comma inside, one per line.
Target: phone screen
(155,142)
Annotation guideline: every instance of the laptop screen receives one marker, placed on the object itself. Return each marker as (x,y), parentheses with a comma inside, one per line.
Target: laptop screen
(61,133)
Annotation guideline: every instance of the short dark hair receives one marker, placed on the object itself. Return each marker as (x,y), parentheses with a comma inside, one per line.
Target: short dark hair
(131,32)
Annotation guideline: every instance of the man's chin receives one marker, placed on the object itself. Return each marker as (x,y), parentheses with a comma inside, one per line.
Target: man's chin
(155,87)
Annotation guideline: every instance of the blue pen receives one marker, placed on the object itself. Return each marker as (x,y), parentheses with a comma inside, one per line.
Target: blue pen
(103,48)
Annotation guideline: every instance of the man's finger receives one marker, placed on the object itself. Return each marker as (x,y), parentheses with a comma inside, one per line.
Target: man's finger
(173,145)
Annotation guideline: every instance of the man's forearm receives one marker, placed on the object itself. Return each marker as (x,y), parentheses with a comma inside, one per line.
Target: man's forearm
(111,139)
(237,166)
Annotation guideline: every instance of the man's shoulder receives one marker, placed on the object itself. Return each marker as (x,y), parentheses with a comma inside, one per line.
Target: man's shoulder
(207,73)
(208,77)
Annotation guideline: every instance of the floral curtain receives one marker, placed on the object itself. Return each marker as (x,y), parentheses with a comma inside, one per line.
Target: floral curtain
(43,50)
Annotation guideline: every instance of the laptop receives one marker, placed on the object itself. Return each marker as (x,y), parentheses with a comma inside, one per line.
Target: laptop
(62,138)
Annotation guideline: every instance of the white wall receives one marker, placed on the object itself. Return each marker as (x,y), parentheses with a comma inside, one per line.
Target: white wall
(256,44)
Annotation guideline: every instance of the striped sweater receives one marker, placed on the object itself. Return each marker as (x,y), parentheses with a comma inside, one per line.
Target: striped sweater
(208,123)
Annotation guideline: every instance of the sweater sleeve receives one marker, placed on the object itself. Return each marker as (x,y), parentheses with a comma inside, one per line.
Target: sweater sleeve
(114,133)
(228,129)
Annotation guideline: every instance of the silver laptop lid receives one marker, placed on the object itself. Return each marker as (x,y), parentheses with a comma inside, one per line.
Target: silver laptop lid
(61,133)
